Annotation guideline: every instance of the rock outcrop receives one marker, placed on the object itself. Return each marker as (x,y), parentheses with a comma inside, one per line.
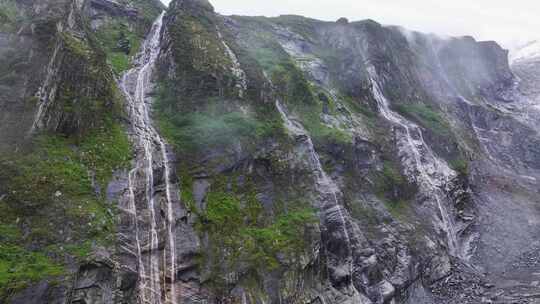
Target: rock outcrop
(274,160)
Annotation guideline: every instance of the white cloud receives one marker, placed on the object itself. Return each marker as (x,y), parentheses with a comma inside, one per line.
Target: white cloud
(508,22)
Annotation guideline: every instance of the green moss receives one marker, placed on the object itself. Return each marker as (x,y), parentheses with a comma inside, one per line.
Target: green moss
(119,61)
(35,178)
(106,150)
(390,181)
(298,94)
(149,9)
(460,165)
(75,45)
(243,234)
(58,169)
(9,233)
(320,132)
(215,125)
(269,53)
(9,15)
(194,132)
(186,189)
(80,251)
(291,82)
(50,192)
(397,208)
(361,108)
(391,173)
(20,267)
(392,189)
(120,42)
(427,117)
(200,57)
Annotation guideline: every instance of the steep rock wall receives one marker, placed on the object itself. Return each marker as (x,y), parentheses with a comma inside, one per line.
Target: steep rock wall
(315,162)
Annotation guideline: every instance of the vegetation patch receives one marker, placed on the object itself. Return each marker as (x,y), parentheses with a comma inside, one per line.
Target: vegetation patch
(186,189)
(361,108)
(105,150)
(398,208)
(120,43)
(427,117)
(390,183)
(52,197)
(20,267)
(297,93)
(200,57)
(9,15)
(148,10)
(194,132)
(269,53)
(460,165)
(49,193)
(76,46)
(87,94)
(245,236)
(216,124)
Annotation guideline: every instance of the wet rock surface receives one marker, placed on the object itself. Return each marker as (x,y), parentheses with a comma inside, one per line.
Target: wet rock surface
(419,156)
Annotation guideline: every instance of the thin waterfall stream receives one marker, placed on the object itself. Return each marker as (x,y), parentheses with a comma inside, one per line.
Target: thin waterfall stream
(325,185)
(424,165)
(151,154)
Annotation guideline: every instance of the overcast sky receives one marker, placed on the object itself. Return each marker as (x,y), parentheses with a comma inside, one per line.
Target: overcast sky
(510,22)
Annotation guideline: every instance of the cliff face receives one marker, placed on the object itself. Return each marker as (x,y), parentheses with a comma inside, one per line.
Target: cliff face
(62,136)
(273,160)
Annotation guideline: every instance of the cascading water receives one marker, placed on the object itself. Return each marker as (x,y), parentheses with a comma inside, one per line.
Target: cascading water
(424,166)
(145,209)
(325,185)
(45,92)
(236,69)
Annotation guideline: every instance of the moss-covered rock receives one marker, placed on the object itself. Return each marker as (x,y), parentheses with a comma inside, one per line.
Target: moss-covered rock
(54,204)
(244,238)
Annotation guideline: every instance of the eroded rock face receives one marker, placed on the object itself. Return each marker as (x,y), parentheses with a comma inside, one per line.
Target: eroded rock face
(52,62)
(58,84)
(113,8)
(417,157)
(463,94)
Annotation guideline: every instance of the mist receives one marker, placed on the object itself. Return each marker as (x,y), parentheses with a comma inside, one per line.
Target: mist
(511,23)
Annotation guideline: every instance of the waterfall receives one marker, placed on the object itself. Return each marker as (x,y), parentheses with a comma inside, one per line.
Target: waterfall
(151,151)
(236,69)
(425,164)
(46,91)
(325,185)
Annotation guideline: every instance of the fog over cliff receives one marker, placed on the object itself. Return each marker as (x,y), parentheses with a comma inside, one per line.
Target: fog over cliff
(511,23)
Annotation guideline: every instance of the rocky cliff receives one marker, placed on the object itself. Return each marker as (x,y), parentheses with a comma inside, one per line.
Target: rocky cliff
(190,157)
